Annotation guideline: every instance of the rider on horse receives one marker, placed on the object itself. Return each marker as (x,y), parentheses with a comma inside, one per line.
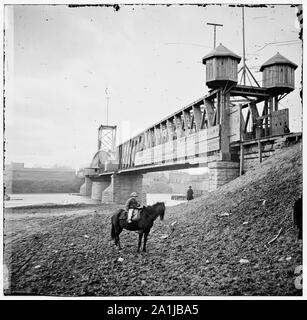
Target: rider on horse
(132,204)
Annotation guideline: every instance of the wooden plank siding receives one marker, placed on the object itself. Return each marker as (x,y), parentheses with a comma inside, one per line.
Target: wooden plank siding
(278,76)
(187,134)
(221,68)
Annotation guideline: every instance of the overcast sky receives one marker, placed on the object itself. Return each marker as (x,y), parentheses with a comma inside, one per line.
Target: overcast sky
(60,61)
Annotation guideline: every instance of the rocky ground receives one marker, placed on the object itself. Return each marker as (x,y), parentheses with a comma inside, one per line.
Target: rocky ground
(221,244)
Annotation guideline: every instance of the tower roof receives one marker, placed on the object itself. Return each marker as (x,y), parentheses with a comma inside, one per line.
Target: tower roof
(278,59)
(221,51)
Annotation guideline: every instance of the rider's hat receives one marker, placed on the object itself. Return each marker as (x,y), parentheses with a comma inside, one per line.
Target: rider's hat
(133,194)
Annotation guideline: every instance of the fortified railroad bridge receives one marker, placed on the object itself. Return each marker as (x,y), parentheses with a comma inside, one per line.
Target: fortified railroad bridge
(226,130)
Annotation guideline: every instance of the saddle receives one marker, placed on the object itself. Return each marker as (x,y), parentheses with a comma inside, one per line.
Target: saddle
(136,215)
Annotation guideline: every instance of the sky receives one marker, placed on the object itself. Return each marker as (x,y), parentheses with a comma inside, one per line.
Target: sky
(60,60)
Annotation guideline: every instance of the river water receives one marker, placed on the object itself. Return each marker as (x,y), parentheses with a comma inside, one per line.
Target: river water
(18,200)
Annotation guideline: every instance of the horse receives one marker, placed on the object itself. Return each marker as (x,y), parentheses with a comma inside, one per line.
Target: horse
(143,225)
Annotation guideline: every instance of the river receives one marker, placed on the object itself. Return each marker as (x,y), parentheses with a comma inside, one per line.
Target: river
(29,199)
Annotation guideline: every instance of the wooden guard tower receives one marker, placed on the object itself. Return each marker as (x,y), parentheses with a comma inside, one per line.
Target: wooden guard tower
(246,113)
(221,67)
(221,77)
(278,78)
(278,74)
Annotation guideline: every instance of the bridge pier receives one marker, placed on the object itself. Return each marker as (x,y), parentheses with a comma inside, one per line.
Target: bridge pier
(86,188)
(222,172)
(99,186)
(121,186)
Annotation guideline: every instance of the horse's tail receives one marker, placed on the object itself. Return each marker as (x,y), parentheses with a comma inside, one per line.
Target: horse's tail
(114,221)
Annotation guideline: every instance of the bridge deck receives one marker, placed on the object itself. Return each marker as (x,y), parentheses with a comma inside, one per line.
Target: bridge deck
(288,136)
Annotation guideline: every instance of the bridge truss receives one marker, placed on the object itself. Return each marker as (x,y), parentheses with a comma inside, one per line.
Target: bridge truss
(204,130)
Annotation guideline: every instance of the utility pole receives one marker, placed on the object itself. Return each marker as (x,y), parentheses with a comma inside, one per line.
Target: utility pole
(107,98)
(246,73)
(215,25)
(243,30)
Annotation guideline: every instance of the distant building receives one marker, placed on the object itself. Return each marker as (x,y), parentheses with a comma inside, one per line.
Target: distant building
(199,184)
(180,181)
(18,179)
(16,166)
(156,182)
(155,177)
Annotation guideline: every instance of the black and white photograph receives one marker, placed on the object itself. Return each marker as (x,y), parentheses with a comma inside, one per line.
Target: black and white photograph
(152,150)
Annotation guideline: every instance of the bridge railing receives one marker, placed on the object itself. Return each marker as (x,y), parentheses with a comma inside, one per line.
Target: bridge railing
(196,147)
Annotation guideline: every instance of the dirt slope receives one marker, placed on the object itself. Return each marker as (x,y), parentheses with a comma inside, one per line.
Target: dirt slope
(200,255)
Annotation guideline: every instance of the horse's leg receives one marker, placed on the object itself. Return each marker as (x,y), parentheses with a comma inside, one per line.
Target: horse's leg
(117,240)
(116,229)
(145,240)
(140,241)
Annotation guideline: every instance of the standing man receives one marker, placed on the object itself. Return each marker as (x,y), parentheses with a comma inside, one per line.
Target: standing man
(190,194)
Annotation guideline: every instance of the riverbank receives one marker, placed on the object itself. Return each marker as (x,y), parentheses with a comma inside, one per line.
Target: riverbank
(23,222)
(42,199)
(55,199)
(237,241)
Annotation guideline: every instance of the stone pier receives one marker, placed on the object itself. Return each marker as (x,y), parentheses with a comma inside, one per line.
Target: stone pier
(122,185)
(86,188)
(222,172)
(99,186)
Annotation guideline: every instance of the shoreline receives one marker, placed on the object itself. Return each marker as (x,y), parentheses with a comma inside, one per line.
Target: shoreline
(78,205)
